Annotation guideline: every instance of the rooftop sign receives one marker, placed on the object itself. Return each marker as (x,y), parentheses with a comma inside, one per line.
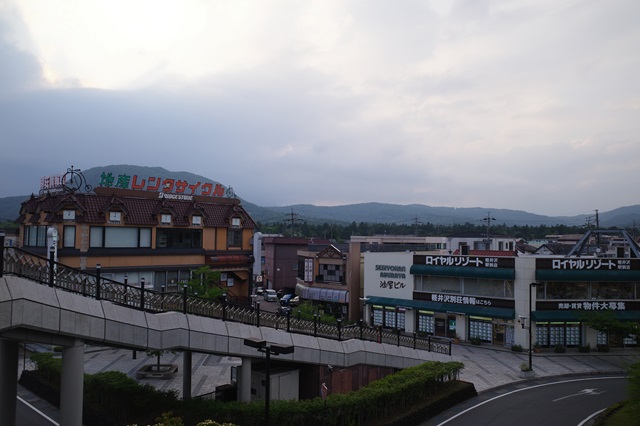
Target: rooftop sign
(178,188)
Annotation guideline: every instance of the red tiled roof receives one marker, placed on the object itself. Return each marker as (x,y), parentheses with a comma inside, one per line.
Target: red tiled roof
(138,211)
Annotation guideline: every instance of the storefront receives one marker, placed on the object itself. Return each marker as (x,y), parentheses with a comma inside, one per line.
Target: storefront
(568,289)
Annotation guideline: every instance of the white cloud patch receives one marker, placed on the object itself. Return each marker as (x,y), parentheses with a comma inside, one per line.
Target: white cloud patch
(524,105)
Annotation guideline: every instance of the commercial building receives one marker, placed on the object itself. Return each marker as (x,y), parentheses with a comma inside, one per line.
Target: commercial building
(496,296)
(144,235)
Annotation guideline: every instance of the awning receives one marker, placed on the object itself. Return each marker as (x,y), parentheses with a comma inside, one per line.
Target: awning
(586,275)
(322,294)
(464,272)
(577,315)
(482,311)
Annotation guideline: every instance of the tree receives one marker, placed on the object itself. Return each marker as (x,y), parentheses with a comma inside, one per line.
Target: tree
(206,283)
(606,322)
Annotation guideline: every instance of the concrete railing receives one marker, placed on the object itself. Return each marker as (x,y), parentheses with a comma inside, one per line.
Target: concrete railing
(20,262)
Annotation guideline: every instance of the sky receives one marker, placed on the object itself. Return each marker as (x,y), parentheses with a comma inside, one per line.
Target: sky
(527,105)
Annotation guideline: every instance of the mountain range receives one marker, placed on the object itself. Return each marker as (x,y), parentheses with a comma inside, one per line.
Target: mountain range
(623,217)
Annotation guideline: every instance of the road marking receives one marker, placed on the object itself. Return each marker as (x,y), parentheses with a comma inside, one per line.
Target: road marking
(582,392)
(585,421)
(38,411)
(524,389)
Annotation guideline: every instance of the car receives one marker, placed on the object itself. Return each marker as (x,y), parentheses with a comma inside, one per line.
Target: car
(285,290)
(259,291)
(283,311)
(290,300)
(270,295)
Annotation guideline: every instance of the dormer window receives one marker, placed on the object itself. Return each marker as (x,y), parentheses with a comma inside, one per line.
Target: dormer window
(69,215)
(115,217)
(235,222)
(196,220)
(165,219)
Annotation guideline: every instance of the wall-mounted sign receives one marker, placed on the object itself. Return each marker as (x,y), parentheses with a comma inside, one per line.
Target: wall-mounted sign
(589,264)
(166,186)
(465,261)
(387,274)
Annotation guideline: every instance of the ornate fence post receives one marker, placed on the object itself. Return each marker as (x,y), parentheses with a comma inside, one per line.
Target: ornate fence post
(184,299)
(257,314)
(288,321)
(52,262)
(339,329)
(361,327)
(398,331)
(414,339)
(98,267)
(142,294)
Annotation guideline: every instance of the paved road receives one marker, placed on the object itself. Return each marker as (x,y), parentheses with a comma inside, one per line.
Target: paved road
(487,367)
(553,402)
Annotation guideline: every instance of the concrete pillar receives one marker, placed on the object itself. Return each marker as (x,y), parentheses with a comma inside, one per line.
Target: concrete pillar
(8,380)
(186,375)
(71,389)
(244,384)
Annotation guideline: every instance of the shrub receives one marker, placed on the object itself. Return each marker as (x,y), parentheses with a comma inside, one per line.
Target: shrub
(525,367)
(585,348)
(602,347)
(516,348)
(559,349)
(475,340)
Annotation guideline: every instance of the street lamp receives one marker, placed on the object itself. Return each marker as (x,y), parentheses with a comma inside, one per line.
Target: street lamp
(531,286)
(268,349)
(364,301)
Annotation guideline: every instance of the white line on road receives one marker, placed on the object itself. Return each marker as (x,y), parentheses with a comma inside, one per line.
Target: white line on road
(38,411)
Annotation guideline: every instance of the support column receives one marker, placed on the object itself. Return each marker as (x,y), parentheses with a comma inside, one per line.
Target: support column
(245,380)
(186,375)
(8,380)
(71,388)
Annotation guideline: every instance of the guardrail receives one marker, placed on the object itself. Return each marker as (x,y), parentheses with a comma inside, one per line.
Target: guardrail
(20,262)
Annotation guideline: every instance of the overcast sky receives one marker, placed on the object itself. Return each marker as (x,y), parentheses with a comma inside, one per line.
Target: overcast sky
(527,105)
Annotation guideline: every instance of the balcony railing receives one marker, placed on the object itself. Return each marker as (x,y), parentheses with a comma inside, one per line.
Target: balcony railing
(19,262)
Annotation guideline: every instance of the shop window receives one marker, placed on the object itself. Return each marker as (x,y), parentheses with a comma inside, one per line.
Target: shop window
(35,236)
(119,237)
(378,314)
(69,236)
(178,238)
(426,323)
(616,290)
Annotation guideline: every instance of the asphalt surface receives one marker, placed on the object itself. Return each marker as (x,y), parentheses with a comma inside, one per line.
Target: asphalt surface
(487,367)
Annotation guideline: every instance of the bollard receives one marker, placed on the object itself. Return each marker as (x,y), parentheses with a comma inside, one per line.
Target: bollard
(98,268)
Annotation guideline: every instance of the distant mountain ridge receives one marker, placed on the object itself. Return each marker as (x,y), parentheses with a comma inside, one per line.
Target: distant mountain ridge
(373,212)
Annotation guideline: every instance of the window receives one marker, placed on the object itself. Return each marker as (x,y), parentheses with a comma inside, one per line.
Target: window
(331,273)
(178,238)
(165,219)
(69,215)
(69,236)
(115,217)
(196,220)
(234,238)
(35,236)
(235,222)
(119,237)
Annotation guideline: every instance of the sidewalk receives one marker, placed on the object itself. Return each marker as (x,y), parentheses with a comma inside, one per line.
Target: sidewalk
(488,367)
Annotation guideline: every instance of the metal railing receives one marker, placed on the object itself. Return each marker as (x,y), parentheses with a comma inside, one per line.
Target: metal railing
(22,263)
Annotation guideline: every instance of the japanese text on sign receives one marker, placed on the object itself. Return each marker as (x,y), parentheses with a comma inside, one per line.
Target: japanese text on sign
(592,306)
(168,185)
(391,285)
(486,262)
(592,264)
(460,300)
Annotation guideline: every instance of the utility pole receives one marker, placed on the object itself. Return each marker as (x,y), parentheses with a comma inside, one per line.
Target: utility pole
(489,219)
(293,218)
(416,222)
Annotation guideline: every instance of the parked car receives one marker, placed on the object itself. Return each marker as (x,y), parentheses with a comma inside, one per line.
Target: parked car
(285,290)
(290,300)
(283,311)
(259,291)
(270,295)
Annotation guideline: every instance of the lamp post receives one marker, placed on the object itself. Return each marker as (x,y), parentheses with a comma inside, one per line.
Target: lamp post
(268,349)
(531,286)
(364,301)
